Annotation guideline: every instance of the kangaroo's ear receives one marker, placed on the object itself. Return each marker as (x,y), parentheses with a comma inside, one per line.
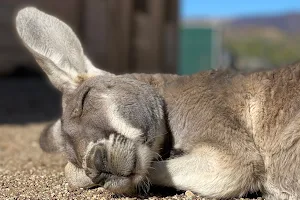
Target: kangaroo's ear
(51,139)
(56,48)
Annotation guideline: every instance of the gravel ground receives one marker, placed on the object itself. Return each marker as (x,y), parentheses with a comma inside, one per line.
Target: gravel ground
(25,171)
(28,173)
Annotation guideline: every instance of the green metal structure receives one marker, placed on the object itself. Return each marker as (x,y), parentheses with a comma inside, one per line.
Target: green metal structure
(199,49)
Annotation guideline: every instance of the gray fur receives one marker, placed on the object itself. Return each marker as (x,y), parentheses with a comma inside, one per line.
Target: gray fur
(234,133)
(117,118)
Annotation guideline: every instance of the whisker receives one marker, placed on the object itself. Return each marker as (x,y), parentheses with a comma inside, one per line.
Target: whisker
(139,189)
(148,180)
(151,167)
(143,189)
(147,184)
(153,137)
(159,157)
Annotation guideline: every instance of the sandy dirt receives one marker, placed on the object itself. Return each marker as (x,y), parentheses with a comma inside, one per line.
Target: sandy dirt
(25,171)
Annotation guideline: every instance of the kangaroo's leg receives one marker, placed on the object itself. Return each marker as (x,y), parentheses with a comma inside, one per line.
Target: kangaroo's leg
(282,160)
(208,171)
(283,174)
(282,180)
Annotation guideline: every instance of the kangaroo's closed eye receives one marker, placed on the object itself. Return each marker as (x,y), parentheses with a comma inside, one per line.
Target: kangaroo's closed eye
(85,96)
(80,102)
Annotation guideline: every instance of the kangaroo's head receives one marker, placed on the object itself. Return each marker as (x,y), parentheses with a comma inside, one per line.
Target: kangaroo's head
(111,126)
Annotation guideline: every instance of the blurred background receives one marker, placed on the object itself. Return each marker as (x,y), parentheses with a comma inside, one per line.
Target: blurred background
(245,35)
(150,36)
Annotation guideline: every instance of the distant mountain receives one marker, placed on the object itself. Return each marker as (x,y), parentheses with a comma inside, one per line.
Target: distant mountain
(287,22)
(273,39)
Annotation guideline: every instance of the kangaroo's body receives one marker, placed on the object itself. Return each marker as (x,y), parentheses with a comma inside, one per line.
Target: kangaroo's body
(235,133)
(242,129)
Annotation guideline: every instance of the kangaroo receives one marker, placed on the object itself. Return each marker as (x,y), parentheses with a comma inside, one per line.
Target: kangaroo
(222,134)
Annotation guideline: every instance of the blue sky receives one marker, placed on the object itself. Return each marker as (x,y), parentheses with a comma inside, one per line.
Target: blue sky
(232,8)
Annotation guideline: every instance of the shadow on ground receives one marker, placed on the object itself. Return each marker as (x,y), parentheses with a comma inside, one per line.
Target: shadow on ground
(26,96)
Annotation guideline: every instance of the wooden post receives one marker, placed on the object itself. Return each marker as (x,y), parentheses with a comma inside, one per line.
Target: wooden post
(119,27)
(95,32)
(156,35)
(171,37)
(127,9)
(157,22)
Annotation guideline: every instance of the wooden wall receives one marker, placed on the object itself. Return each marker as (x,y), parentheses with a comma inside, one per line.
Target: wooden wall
(118,35)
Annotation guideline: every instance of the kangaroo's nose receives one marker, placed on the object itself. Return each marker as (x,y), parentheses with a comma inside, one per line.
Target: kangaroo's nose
(100,158)
(118,158)
(96,163)
(97,158)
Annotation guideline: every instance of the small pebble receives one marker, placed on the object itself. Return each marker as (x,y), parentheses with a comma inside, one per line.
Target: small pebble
(188,193)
